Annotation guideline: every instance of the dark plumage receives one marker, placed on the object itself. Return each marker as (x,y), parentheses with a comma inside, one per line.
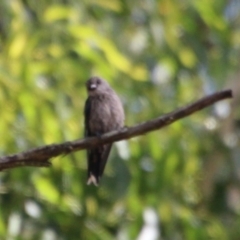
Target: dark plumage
(103,113)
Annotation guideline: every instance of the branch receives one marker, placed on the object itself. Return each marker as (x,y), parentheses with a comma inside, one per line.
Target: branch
(40,157)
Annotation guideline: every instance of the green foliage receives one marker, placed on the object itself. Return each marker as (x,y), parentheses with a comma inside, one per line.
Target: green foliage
(158,55)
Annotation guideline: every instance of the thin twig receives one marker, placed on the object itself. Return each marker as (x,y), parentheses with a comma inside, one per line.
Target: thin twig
(39,157)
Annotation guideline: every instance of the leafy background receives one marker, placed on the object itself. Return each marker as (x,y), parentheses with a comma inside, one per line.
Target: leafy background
(178,183)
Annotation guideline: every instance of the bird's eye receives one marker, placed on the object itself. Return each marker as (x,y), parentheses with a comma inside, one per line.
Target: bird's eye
(98,81)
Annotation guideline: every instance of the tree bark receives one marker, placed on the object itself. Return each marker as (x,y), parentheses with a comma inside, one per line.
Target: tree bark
(40,157)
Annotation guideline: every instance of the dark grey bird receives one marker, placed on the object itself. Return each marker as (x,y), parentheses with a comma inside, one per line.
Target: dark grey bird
(103,113)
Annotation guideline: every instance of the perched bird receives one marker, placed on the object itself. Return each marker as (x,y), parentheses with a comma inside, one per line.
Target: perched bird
(103,113)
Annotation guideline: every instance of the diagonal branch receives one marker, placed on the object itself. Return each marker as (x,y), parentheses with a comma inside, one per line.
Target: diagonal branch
(39,157)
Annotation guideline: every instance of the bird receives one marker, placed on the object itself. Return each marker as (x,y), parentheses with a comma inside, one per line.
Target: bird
(103,112)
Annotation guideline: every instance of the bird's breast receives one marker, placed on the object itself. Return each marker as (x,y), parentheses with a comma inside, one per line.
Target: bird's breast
(106,115)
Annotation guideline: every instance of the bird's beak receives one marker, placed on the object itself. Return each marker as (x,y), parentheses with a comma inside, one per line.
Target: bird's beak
(92,86)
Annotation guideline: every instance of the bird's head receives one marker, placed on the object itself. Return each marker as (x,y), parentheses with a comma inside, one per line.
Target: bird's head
(96,85)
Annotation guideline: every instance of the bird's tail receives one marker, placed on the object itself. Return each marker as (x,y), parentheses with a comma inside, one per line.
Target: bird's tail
(94,159)
(92,179)
(97,159)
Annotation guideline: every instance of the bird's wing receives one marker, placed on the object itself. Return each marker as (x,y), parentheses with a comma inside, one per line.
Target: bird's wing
(87,110)
(87,131)
(97,157)
(104,156)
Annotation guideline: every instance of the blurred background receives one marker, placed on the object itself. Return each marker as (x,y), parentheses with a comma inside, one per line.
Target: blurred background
(181,182)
